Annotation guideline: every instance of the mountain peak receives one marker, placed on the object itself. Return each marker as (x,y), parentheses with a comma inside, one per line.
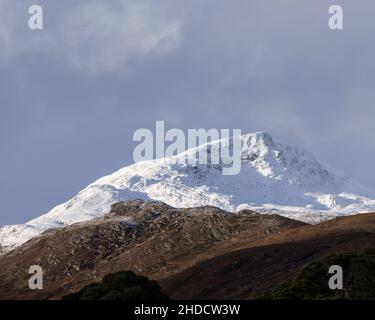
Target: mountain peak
(274,178)
(259,138)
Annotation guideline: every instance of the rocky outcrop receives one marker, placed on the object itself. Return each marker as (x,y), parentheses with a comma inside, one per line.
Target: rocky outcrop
(148,237)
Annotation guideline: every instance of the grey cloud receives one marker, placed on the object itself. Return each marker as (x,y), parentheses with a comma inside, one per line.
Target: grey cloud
(72,95)
(95,34)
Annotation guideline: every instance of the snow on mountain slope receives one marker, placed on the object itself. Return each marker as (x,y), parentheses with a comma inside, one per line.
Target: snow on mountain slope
(274,178)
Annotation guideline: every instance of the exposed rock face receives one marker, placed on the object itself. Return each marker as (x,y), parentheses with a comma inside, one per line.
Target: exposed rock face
(148,237)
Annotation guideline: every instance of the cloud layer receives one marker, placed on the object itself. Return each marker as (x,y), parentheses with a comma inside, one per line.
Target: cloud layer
(95,34)
(72,95)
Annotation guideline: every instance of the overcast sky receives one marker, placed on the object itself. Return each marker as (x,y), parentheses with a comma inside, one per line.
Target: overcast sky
(72,95)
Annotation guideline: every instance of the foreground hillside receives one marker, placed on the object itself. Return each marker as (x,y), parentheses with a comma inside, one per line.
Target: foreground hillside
(150,238)
(195,253)
(256,270)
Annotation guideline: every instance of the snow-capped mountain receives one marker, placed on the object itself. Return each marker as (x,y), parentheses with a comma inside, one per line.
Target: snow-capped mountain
(274,178)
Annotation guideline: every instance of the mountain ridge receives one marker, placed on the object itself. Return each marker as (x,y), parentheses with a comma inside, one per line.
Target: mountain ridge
(274,177)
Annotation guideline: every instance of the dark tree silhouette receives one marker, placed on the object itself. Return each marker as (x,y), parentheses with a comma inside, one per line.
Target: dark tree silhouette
(312,281)
(124,285)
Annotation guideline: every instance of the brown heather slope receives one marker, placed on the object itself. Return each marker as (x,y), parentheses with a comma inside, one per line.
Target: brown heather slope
(250,272)
(148,237)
